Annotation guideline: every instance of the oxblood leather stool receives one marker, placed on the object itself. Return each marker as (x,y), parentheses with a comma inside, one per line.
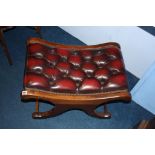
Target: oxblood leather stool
(74,77)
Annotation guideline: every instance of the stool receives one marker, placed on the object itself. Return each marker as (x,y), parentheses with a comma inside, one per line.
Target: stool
(74,77)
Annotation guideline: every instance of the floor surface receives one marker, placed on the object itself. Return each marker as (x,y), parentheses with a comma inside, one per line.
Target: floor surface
(16,114)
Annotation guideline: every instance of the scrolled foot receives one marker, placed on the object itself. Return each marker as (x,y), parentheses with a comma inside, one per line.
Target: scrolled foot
(37,115)
(51,113)
(105,114)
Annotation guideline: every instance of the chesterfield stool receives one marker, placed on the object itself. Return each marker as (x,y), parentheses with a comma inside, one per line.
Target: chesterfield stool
(74,77)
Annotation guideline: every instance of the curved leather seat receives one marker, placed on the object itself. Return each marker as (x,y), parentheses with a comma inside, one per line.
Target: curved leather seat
(69,71)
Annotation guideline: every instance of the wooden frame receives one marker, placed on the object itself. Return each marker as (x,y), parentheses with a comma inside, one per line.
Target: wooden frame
(67,101)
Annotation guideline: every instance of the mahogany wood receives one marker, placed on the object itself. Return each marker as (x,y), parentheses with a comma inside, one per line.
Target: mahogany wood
(72,47)
(67,101)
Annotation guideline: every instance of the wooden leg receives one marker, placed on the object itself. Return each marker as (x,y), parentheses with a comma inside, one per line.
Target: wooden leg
(37,105)
(104,114)
(5,48)
(38,30)
(58,109)
(146,124)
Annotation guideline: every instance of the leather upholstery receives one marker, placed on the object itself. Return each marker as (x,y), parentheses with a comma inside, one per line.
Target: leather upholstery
(70,71)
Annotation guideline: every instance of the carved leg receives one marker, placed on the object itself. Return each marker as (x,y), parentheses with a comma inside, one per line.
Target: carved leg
(58,109)
(4,46)
(91,111)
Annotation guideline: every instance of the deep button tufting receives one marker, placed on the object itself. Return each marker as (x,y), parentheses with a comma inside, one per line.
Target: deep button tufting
(52,51)
(74,52)
(90,84)
(35,64)
(116,81)
(88,67)
(39,54)
(52,58)
(100,60)
(36,81)
(77,75)
(102,74)
(64,84)
(86,54)
(64,67)
(63,53)
(113,53)
(34,48)
(116,65)
(99,52)
(75,60)
(83,71)
(53,73)
(39,50)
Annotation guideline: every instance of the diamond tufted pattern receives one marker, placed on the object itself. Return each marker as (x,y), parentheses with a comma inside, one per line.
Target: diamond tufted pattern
(65,70)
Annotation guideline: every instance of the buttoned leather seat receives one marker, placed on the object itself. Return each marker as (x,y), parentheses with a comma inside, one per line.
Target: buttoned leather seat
(74,77)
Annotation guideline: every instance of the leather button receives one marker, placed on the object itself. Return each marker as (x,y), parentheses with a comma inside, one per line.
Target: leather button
(116,81)
(53,59)
(116,65)
(113,53)
(86,54)
(99,52)
(88,67)
(63,53)
(100,59)
(53,73)
(90,84)
(64,67)
(64,84)
(36,81)
(77,75)
(35,64)
(33,48)
(102,74)
(75,60)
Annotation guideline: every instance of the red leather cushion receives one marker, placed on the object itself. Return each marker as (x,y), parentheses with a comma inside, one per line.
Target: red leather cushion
(84,71)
